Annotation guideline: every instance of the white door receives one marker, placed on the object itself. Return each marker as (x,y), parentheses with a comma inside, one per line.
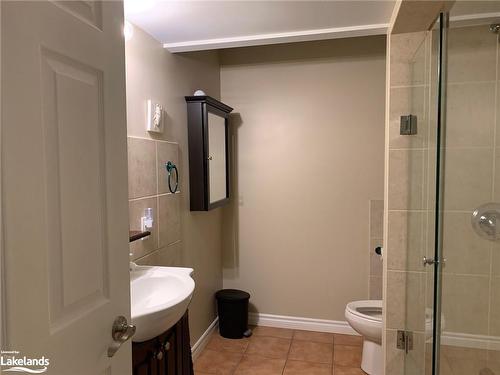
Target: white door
(64,177)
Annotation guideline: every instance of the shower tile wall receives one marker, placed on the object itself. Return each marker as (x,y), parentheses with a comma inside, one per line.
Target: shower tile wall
(405,302)
(376,234)
(148,188)
(471,276)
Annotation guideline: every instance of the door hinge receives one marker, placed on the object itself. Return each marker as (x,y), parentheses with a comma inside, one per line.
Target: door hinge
(408,125)
(405,341)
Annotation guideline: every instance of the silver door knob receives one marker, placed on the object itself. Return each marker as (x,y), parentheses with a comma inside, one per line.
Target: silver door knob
(121,332)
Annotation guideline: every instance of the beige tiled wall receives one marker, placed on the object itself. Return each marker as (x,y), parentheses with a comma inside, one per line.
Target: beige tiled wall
(147,181)
(470,276)
(376,234)
(179,236)
(407,201)
(470,287)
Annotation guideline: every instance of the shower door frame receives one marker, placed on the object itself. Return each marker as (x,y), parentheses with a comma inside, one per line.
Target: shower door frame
(443,21)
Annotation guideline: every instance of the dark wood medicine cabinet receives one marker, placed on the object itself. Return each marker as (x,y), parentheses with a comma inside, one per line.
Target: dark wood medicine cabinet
(209,158)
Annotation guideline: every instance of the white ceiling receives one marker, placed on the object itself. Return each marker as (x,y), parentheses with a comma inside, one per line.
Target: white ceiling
(200,25)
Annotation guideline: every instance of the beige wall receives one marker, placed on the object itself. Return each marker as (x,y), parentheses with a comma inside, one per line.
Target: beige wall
(179,237)
(309,139)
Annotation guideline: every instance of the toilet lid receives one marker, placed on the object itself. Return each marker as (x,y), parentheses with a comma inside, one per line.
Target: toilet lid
(370,309)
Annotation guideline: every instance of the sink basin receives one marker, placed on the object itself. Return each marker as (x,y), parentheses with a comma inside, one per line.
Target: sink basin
(159,298)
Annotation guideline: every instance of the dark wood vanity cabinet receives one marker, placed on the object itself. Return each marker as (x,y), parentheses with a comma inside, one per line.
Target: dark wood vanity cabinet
(167,354)
(209,159)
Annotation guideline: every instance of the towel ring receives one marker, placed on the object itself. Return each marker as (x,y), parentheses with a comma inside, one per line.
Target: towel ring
(171,167)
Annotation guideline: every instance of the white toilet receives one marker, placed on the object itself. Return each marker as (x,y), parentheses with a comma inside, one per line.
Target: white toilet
(365,317)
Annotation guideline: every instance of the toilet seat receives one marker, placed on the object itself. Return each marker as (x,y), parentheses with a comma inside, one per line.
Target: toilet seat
(370,310)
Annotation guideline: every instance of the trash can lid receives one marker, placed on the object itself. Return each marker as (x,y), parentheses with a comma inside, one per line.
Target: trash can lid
(232,295)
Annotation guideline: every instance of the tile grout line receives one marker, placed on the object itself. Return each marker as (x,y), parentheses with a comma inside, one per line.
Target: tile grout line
(289,349)
(452,148)
(152,196)
(333,356)
(242,356)
(157,197)
(152,139)
(156,250)
(417,210)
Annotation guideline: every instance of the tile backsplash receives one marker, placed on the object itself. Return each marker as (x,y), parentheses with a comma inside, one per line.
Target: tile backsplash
(141,168)
(148,188)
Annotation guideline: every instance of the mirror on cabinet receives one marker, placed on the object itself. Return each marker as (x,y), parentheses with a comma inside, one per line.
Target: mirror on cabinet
(217,158)
(208,152)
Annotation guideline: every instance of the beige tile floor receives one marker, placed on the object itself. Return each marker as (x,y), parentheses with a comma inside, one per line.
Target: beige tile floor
(278,351)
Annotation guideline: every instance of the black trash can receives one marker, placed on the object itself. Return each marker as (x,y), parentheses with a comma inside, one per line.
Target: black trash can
(232,306)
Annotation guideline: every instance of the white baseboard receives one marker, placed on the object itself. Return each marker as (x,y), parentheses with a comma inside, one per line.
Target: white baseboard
(198,347)
(305,324)
(466,340)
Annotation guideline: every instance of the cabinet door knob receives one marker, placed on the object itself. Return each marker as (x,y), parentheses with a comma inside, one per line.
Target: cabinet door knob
(210,158)
(159,355)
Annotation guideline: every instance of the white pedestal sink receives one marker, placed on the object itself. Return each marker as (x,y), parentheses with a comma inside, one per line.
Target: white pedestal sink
(159,298)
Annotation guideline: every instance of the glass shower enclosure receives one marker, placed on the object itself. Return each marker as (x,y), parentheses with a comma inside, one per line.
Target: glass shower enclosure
(451,267)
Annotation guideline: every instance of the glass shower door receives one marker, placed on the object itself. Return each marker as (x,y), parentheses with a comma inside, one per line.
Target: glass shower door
(443,200)
(466,283)
(411,203)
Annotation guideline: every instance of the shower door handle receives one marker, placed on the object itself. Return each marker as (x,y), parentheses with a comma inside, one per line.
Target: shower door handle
(428,261)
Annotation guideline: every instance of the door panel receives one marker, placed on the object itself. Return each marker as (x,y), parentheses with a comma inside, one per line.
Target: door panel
(64,177)
(469,342)
(73,135)
(87,11)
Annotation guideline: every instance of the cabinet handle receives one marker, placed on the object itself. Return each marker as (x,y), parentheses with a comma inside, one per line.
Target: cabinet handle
(210,158)
(159,355)
(166,347)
